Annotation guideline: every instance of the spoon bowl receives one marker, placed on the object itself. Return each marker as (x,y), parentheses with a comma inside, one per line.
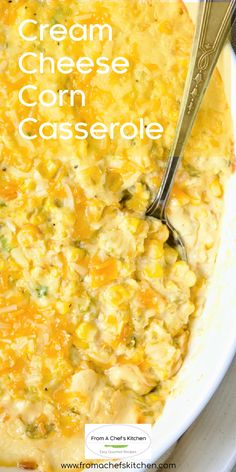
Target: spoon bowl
(215,20)
(174,240)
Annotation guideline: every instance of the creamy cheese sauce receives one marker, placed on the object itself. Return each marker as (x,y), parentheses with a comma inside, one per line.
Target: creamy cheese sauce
(94,304)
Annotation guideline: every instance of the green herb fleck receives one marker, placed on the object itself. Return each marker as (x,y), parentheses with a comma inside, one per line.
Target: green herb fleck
(74,411)
(192,171)
(125,197)
(74,356)
(58,203)
(34,432)
(132,342)
(4,244)
(42,291)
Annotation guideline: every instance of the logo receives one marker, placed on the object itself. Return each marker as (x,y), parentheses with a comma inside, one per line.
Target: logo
(118,441)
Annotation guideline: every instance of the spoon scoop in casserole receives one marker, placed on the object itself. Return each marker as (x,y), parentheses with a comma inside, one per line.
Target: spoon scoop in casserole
(214,23)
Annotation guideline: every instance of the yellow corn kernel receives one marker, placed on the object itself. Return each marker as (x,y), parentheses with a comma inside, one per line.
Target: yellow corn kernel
(201,212)
(94,210)
(86,331)
(69,217)
(164,89)
(214,142)
(133,224)
(63,307)
(216,188)
(183,63)
(153,397)
(73,254)
(163,233)
(138,356)
(118,294)
(175,68)
(209,241)
(154,271)
(156,180)
(139,200)
(190,278)
(114,181)
(23,164)
(171,255)
(81,253)
(37,219)
(2,265)
(165,27)
(18,256)
(82,148)
(156,249)
(14,266)
(183,273)
(48,168)
(183,198)
(190,308)
(127,168)
(111,320)
(135,203)
(28,235)
(28,185)
(180,268)
(92,175)
(195,201)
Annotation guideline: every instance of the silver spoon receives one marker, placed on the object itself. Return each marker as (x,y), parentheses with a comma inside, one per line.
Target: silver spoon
(215,19)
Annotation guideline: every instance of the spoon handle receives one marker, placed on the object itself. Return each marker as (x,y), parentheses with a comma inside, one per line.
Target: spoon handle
(215,19)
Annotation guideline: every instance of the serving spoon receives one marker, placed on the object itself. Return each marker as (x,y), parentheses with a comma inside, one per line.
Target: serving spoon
(215,19)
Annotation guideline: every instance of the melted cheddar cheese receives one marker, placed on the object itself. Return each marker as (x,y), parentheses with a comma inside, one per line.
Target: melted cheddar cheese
(94,304)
